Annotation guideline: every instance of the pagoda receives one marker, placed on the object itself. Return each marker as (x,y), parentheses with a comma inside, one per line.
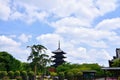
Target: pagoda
(58,56)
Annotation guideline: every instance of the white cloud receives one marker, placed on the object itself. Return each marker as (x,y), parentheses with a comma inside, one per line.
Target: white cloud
(106,6)
(70,22)
(89,36)
(48,39)
(30,11)
(16,15)
(89,56)
(13,47)
(4,9)
(109,24)
(24,38)
(112,26)
(6,41)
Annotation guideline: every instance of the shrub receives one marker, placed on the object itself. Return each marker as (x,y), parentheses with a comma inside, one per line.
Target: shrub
(61,75)
(0,74)
(69,75)
(75,71)
(79,75)
(11,74)
(53,75)
(3,74)
(31,75)
(17,74)
(24,75)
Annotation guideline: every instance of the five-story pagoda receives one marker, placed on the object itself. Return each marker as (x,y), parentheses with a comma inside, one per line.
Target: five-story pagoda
(58,57)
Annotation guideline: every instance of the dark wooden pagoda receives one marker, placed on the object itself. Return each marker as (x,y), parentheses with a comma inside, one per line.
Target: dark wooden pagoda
(58,56)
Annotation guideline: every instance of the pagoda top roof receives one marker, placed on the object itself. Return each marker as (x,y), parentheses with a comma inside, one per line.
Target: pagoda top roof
(59,51)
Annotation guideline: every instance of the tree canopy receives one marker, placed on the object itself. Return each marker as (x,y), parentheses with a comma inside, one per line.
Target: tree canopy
(116,62)
(8,62)
(38,57)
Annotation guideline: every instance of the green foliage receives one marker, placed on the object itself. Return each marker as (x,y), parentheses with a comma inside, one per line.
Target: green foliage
(96,67)
(69,75)
(36,50)
(39,58)
(76,72)
(17,74)
(16,65)
(11,74)
(79,75)
(53,74)
(26,67)
(63,67)
(8,62)
(5,61)
(31,75)
(24,75)
(61,75)
(74,68)
(2,66)
(116,63)
(3,74)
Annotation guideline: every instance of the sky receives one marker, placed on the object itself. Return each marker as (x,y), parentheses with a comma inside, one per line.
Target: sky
(88,30)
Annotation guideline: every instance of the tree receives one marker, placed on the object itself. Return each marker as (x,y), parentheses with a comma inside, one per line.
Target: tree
(116,63)
(75,70)
(26,66)
(37,56)
(8,62)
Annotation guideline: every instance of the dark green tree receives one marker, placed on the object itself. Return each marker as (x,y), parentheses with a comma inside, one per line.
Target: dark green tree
(8,62)
(38,56)
(75,69)
(26,66)
(11,74)
(116,63)
(24,75)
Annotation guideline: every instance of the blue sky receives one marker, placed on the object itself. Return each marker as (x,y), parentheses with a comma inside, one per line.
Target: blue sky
(88,29)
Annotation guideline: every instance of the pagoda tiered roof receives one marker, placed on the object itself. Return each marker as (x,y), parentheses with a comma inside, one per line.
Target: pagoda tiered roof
(58,51)
(58,57)
(58,61)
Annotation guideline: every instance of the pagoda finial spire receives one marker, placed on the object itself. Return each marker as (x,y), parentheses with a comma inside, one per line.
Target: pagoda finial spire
(59,44)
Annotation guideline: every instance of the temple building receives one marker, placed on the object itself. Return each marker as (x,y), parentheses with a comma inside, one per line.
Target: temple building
(112,69)
(115,57)
(58,56)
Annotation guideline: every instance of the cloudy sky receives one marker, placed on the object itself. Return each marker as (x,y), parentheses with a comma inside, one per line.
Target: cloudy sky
(87,29)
